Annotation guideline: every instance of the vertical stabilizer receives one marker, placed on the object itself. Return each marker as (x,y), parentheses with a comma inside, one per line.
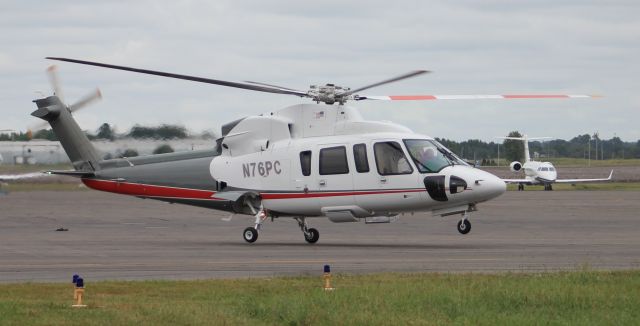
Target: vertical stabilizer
(81,152)
(527,158)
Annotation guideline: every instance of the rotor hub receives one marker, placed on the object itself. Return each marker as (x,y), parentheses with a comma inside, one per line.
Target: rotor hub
(328,94)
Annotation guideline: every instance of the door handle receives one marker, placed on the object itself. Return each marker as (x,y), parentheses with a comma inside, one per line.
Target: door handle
(322,182)
(383,179)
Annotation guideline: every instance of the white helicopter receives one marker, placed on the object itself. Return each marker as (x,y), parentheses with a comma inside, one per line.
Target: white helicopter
(307,160)
(537,173)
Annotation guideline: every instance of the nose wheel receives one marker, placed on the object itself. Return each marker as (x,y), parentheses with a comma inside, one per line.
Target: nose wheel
(464,226)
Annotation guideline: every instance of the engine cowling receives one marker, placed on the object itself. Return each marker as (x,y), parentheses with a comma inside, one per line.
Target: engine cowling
(515,166)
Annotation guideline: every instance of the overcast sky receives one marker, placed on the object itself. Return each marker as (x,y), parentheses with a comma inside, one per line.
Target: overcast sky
(472,47)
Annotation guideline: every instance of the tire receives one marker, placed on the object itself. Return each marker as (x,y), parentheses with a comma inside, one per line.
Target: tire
(465,227)
(250,234)
(312,235)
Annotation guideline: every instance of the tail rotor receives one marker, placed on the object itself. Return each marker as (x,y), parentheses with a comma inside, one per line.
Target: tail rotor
(83,102)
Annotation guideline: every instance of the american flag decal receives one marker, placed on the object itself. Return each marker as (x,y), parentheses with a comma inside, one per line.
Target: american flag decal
(319,114)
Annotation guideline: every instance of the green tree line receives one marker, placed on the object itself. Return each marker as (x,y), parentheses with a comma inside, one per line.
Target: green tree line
(105,131)
(576,147)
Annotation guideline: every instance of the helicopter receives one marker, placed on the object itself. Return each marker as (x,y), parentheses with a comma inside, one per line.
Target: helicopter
(310,160)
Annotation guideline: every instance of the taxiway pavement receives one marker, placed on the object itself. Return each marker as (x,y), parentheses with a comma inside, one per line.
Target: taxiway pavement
(117,237)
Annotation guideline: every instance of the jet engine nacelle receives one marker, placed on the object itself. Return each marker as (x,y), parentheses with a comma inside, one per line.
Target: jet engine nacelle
(515,166)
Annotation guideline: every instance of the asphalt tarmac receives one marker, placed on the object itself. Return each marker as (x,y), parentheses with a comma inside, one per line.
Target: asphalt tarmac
(117,237)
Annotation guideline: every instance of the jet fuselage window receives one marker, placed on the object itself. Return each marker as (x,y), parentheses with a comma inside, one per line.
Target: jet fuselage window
(390,159)
(333,160)
(360,157)
(305,163)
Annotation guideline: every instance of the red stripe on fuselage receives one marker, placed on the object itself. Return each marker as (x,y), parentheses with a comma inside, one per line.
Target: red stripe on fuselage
(297,195)
(138,189)
(145,190)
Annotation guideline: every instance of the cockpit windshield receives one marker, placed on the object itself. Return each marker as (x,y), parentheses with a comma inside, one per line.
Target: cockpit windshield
(431,156)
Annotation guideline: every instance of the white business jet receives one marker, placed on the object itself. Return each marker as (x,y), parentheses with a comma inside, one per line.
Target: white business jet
(537,173)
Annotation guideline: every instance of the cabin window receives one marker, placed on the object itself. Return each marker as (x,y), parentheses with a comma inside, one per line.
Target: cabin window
(333,160)
(305,163)
(390,159)
(360,157)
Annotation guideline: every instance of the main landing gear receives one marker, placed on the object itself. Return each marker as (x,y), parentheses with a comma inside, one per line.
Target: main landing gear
(250,234)
(464,226)
(548,187)
(520,187)
(311,235)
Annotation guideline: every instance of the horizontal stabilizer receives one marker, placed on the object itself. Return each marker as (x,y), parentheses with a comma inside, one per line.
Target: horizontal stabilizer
(73,173)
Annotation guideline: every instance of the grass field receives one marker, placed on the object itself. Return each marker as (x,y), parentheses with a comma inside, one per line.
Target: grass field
(24,168)
(570,162)
(566,298)
(43,187)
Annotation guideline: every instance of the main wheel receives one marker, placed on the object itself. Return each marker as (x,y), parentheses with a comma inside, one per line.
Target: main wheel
(520,187)
(312,235)
(250,234)
(464,226)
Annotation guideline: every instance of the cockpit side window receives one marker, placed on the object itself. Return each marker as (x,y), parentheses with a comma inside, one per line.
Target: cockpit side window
(390,159)
(305,163)
(429,156)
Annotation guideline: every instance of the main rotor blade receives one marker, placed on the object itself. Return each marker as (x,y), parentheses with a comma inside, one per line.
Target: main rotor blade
(472,97)
(186,77)
(52,72)
(405,76)
(93,96)
(271,85)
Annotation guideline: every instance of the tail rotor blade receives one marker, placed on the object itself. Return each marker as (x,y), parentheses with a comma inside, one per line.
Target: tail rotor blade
(52,72)
(38,126)
(91,97)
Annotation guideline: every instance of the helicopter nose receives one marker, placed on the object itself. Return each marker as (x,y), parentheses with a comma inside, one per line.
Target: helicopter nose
(489,186)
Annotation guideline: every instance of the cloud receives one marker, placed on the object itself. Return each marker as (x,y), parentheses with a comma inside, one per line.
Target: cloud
(489,47)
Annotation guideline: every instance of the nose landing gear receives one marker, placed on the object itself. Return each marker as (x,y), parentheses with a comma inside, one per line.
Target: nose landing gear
(464,226)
